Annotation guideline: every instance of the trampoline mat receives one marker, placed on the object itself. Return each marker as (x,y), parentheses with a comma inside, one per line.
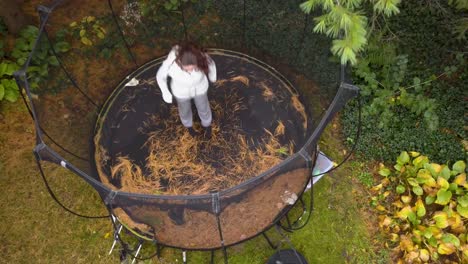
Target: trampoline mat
(142,147)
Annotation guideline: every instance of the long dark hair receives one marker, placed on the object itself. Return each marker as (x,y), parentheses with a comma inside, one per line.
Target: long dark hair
(189,53)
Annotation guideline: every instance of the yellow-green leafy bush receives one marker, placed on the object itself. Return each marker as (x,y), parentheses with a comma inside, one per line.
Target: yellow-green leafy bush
(423,209)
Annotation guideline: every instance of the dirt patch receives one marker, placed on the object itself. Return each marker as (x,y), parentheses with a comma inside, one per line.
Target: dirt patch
(17,137)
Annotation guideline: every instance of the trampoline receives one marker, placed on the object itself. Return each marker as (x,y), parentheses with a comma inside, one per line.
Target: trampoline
(158,183)
(258,119)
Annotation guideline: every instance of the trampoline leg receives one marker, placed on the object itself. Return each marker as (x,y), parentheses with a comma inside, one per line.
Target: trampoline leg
(225,255)
(301,199)
(269,241)
(116,235)
(137,252)
(289,221)
(158,250)
(212,257)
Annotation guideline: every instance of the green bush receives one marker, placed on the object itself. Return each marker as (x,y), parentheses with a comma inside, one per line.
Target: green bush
(8,87)
(413,101)
(39,67)
(92,36)
(43,58)
(407,133)
(423,209)
(88,30)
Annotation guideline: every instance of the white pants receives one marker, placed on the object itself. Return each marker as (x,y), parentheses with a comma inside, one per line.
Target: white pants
(203,109)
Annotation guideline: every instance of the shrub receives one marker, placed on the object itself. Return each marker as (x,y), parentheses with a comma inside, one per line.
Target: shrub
(408,133)
(8,88)
(40,64)
(413,101)
(88,30)
(423,209)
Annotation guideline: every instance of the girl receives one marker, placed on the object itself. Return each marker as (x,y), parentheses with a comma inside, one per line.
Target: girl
(189,69)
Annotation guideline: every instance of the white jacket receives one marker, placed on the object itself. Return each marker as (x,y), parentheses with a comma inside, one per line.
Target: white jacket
(184,84)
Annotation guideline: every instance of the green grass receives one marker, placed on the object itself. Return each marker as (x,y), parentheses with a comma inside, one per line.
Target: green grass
(35,229)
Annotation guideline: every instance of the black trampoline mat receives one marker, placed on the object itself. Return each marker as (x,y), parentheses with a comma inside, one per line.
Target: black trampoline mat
(250,102)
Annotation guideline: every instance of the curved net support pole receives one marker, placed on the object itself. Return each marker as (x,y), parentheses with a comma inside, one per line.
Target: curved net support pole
(21,81)
(306,211)
(303,36)
(41,153)
(345,93)
(114,16)
(243,22)
(67,73)
(21,75)
(184,24)
(21,78)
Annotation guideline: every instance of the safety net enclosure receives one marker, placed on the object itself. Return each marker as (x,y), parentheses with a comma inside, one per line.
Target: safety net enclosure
(99,112)
(142,147)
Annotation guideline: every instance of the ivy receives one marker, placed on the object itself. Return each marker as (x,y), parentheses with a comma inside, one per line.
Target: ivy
(412,76)
(383,85)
